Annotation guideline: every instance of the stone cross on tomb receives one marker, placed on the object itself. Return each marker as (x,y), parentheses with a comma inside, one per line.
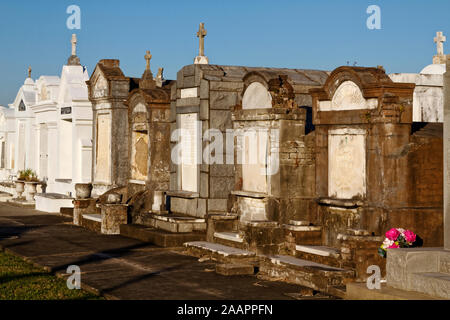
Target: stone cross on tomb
(74,44)
(148,57)
(29,72)
(201,34)
(439,40)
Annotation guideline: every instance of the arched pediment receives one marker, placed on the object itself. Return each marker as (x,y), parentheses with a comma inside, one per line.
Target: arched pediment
(256,96)
(351,88)
(348,96)
(140,107)
(100,87)
(139,116)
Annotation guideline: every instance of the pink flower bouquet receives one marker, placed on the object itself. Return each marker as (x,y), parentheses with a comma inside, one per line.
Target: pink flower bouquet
(398,238)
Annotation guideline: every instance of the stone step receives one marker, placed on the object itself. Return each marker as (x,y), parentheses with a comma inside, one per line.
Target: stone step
(68,212)
(230,236)
(359,291)
(300,228)
(159,237)
(219,252)
(303,234)
(319,254)
(93,217)
(358,232)
(436,284)
(219,215)
(318,250)
(92,222)
(306,273)
(231,239)
(177,223)
(300,223)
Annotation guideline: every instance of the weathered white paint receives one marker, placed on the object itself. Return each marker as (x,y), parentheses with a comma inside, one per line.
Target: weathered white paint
(43,151)
(189,151)
(65,150)
(428,99)
(348,97)
(7,137)
(256,96)
(103,161)
(346,163)
(254,161)
(189,93)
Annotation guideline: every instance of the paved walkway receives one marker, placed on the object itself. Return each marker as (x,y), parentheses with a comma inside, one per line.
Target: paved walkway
(124,268)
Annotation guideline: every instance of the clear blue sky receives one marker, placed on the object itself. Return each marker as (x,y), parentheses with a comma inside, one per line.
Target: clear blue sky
(312,34)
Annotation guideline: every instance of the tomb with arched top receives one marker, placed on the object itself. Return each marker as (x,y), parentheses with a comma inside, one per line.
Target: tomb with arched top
(373,166)
(274,156)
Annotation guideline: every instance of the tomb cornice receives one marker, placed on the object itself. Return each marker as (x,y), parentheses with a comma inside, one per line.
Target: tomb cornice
(251,194)
(269,114)
(183,194)
(342,203)
(44,107)
(373,82)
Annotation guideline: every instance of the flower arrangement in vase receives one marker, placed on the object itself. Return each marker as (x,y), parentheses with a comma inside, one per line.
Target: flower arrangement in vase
(399,238)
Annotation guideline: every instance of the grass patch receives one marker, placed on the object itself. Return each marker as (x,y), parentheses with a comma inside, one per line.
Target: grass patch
(20,280)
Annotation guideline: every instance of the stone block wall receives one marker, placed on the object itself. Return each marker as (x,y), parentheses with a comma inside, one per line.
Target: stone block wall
(293,184)
(108,91)
(403,169)
(214,93)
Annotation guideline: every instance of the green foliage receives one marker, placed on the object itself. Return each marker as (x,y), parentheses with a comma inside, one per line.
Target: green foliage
(28,175)
(20,280)
(382,252)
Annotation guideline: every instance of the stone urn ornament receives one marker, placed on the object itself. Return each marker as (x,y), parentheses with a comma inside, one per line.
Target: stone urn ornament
(83,190)
(31,190)
(20,188)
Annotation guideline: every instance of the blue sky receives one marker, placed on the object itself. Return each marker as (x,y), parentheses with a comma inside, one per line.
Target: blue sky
(311,34)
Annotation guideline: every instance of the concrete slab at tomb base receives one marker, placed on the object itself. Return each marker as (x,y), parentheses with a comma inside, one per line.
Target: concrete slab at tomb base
(52,202)
(21,203)
(122,268)
(359,291)
(160,238)
(424,270)
(316,276)
(306,273)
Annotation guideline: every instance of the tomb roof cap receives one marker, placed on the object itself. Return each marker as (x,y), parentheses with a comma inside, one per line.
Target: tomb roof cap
(434,69)
(7,111)
(111,69)
(110,62)
(295,76)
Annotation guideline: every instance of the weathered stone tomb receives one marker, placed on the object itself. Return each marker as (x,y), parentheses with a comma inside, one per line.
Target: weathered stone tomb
(374,168)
